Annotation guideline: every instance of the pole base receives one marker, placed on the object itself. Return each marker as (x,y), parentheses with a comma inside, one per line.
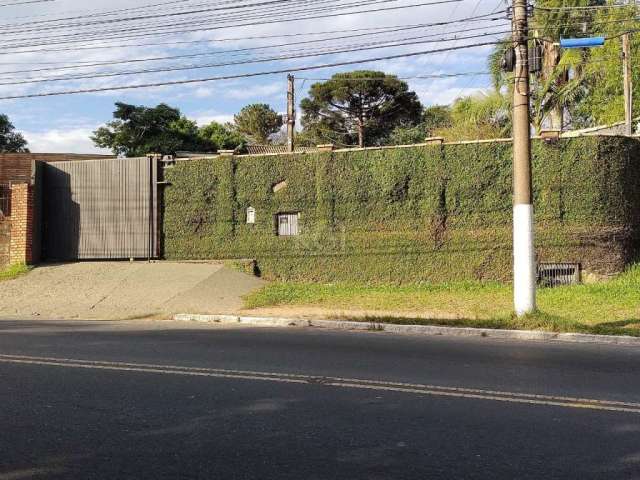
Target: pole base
(524,267)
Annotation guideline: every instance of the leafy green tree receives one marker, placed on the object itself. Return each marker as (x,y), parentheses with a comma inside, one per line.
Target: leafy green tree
(363,106)
(307,138)
(407,135)
(559,87)
(222,137)
(434,118)
(187,136)
(10,140)
(480,116)
(577,87)
(501,80)
(137,131)
(257,122)
(603,101)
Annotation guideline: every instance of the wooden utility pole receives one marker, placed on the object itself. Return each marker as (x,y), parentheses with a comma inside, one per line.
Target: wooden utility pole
(524,273)
(628,87)
(291,113)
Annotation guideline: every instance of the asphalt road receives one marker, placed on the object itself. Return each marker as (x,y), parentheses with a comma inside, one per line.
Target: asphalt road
(163,400)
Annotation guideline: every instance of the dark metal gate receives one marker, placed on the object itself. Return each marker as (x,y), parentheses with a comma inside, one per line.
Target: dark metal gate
(100,209)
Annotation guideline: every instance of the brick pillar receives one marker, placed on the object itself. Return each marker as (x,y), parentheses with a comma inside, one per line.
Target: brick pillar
(22,224)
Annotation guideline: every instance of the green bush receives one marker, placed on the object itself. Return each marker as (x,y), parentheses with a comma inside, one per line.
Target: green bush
(433,213)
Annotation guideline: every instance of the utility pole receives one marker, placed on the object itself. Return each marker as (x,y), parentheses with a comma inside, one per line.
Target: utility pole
(291,113)
(628,87)
(524,274)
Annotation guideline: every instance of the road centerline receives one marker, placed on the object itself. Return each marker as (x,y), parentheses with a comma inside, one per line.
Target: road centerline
(330,381)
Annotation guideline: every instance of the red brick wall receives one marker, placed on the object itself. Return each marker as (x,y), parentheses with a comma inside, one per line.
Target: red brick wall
(22,225)
(18,167)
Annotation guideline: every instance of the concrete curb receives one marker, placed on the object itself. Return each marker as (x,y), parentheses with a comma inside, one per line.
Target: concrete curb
(411,329)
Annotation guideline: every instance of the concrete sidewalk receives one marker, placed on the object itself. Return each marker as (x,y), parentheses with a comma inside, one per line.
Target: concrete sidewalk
(123,290)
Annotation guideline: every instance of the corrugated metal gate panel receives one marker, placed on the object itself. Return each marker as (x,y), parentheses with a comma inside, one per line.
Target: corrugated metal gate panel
(101,209)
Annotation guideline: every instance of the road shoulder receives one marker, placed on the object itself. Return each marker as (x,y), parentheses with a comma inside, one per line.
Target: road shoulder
(411,329)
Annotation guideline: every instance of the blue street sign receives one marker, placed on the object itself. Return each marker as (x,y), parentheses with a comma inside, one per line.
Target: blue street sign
(581,42)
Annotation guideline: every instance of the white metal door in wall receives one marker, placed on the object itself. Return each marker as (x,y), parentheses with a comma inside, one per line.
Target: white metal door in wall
(287,224)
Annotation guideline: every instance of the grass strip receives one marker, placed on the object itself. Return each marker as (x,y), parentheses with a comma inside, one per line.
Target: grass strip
(14,271)
(611,307)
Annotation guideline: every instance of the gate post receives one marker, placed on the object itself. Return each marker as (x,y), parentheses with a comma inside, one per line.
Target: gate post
(23,223)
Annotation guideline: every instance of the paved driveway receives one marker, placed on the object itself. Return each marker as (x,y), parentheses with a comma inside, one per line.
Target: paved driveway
(121,290)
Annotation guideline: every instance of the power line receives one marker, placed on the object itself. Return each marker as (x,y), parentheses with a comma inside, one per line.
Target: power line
(479,18)
(378,45)
(294,7)
(271,7)
(25,3)
(260,19)
(578,22)
(158,28)
(475,9)
(238,50)
(162,15)
(585,7)
(415,77)
(94,13)
(247,75)
(370,46)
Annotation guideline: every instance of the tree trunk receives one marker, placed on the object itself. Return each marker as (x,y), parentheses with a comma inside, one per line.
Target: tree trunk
(360,133)
(551,57)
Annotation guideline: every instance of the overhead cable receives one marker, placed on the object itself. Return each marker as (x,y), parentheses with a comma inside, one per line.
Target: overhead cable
(248,75)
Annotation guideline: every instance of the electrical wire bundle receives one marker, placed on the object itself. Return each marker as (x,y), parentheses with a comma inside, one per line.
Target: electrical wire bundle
(189,36)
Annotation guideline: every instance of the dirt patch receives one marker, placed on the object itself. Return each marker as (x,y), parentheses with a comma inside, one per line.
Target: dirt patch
(124,290)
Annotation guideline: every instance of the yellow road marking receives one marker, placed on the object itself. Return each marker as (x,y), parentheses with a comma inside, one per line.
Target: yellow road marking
(380,385)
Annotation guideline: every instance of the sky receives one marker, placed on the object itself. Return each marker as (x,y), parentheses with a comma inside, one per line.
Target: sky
(57,37)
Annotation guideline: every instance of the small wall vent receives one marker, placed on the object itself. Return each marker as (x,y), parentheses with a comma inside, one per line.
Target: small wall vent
(556,274)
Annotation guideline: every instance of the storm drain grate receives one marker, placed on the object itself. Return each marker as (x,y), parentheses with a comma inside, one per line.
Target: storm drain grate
(555,274)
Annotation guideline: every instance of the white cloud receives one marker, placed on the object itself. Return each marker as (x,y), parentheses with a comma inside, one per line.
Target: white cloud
(258,91)
(239,92)
(63,141)
(447,95)
(204,92)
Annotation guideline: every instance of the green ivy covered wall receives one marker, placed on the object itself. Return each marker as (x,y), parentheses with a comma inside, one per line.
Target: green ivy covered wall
(424,213)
